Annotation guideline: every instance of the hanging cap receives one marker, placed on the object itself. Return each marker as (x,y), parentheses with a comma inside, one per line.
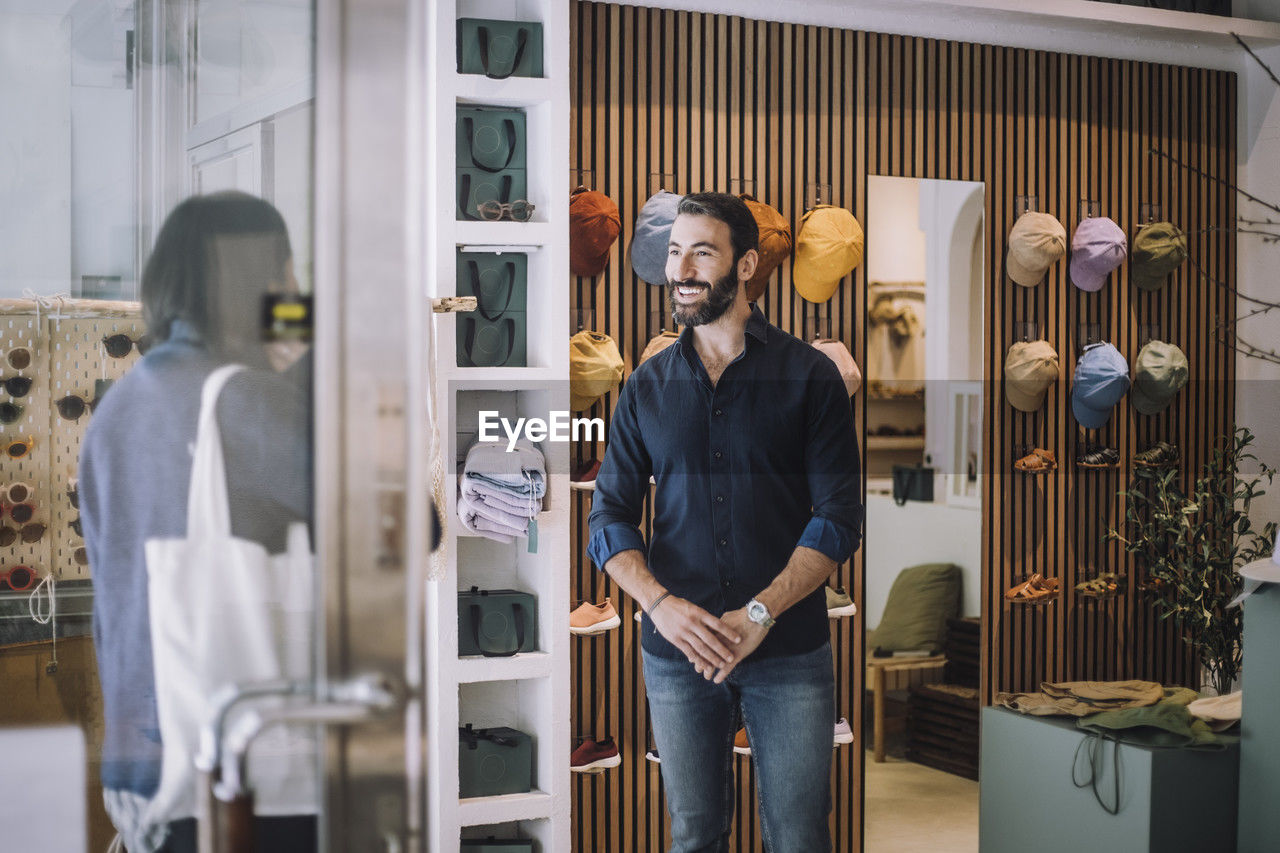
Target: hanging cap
(595,368)
(1037,241)
(1097,248)
(1159,373)
(593,226)
(775,244)
(657,344)
(1102,378)
(839,353)
(1158,249)
(828,248)
(652,236)
(1030,367)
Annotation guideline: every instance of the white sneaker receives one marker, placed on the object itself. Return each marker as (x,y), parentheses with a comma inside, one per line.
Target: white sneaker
(843,732)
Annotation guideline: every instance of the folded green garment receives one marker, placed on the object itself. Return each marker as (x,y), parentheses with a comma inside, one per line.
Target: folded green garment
(1167,723)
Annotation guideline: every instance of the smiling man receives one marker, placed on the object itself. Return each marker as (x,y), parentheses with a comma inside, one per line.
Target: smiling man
(749,435)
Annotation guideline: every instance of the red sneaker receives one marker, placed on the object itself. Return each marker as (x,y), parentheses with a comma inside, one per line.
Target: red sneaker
(595,756)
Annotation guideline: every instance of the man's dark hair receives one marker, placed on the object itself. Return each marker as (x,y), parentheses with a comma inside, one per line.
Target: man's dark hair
(744,234)
(214,257)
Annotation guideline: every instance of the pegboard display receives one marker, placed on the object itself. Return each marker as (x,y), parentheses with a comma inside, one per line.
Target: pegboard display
(67,359)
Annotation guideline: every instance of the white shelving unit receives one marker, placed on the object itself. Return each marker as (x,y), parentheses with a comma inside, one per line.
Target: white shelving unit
(530,691)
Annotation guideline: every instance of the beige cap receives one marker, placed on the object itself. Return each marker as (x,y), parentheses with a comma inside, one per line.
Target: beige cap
(595,368)
(1029,369)
(659,342)
(839,353)
(1037,241)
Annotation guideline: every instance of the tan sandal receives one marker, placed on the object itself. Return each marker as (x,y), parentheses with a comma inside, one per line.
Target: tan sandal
(1038,461)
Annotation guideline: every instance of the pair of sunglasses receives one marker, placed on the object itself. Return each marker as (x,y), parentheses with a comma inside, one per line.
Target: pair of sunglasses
(28,533)
(73,495)
(10,412)
(16,386)
(18,449)
(81,556)
(20,513)
(75,525)
(495,211)
(19,578)
(16,493)
(19,358)
(73,406)
(119,345)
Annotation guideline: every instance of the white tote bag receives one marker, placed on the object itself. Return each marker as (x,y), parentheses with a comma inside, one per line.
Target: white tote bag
(222,611)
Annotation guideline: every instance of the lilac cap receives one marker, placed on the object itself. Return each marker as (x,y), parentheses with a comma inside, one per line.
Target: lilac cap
(1098,247)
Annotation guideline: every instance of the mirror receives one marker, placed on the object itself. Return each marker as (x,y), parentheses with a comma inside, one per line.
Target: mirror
(924,379)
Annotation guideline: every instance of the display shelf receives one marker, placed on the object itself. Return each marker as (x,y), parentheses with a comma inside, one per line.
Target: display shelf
(499,378)
(476,811)
(532,235)
(527,665)
(477,89)
(895,442)
(529,691)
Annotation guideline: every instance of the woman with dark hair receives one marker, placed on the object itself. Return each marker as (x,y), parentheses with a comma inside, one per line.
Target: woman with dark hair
(215,258)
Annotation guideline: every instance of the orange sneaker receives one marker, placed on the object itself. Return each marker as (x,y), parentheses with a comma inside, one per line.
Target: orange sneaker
(590,618)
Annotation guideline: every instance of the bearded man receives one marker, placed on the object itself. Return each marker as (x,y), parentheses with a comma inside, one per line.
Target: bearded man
(748,433)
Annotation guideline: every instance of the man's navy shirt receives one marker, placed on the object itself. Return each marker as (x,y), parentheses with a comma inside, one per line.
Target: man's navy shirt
(747,470)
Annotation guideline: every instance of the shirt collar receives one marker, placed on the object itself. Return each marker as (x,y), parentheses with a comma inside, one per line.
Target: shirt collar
(182,331)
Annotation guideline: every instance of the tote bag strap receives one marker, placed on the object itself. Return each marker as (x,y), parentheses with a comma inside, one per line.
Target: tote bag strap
(208,508)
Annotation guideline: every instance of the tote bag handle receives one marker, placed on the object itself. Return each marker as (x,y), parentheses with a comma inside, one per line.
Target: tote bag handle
(522,39)
(208,506)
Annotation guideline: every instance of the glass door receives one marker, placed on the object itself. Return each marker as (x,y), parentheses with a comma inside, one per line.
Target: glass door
(196,184)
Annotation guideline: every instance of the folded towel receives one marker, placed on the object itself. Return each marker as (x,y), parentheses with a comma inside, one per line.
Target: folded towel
(523,505)
(485,521)
(522,471)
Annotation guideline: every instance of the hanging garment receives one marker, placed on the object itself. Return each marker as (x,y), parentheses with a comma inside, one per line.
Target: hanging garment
(895,343)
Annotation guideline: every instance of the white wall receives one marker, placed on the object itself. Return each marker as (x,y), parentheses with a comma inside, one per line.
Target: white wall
(902,536)
(895,243)
(1258,382)
(35,153)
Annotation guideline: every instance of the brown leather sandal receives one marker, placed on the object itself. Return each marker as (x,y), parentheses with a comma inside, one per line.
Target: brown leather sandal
(1038,461)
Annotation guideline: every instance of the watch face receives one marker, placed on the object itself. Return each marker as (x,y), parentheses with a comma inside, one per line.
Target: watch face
(757,612)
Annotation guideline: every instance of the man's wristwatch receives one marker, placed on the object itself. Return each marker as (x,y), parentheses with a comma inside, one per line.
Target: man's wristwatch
(759,614)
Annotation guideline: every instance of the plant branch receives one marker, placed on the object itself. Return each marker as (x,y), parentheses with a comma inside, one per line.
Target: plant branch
(1257,59)
(1215,179)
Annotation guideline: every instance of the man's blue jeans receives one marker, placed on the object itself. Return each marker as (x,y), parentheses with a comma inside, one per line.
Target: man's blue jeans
(788,706)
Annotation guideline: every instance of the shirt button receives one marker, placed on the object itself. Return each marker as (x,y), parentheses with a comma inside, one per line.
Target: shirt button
(726,584)
(718,412)
(719,454)
(719,499)
(724,542)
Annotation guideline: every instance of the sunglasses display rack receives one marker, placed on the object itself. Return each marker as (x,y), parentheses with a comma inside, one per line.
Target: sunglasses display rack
(508,108)
(54,364)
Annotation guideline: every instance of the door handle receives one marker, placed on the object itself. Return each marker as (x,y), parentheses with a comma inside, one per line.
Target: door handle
(356,700)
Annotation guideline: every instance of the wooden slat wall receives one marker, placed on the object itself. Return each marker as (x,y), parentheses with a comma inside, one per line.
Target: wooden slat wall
(712,100)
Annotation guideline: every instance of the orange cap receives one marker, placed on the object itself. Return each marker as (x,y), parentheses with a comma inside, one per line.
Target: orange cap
(593,226)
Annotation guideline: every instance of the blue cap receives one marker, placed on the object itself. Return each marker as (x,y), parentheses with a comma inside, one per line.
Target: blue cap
(1102,378)
(652,236)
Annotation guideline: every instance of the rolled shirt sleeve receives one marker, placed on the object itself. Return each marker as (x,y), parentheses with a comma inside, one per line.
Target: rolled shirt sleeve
(833,468)
(621,486)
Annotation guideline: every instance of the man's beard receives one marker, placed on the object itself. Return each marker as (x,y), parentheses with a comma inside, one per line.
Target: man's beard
(719,297)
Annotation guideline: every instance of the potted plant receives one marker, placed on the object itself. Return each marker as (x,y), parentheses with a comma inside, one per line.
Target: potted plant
(1192,546)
